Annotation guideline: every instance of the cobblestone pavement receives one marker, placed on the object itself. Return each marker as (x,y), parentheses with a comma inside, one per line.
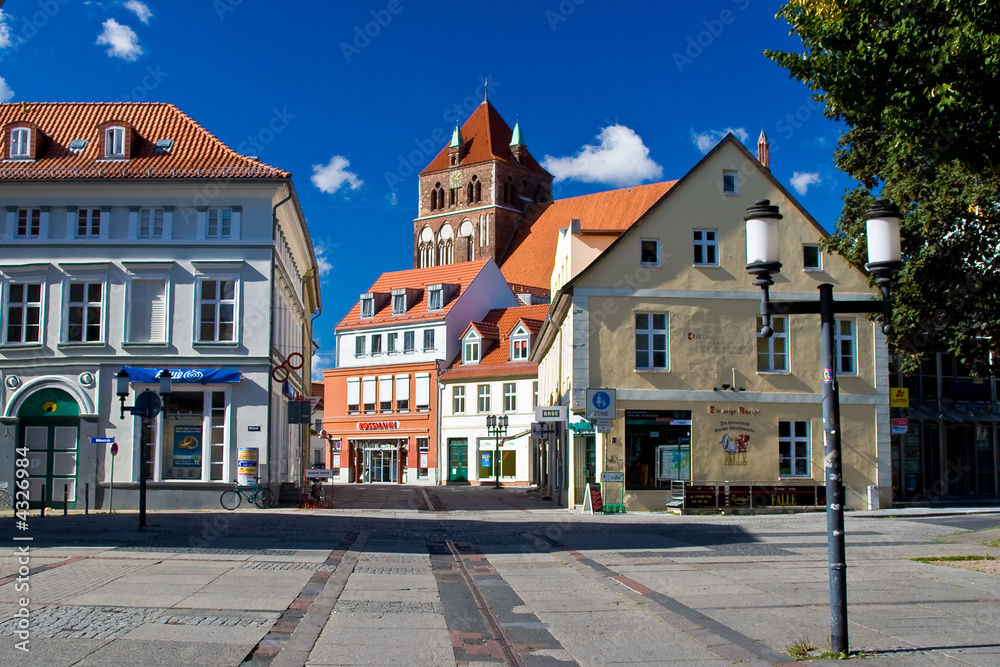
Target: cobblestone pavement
(468,576)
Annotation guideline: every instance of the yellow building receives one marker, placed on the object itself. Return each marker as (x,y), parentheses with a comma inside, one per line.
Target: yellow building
(667,316)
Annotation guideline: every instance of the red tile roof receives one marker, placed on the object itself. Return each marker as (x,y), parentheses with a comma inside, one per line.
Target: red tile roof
(496,361)
(196,152)
(462,274)
(487,137)
(531,256)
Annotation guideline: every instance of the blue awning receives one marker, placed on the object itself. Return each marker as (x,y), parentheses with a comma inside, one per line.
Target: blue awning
(183,375)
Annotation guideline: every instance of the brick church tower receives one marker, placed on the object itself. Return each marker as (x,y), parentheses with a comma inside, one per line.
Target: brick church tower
(475,194)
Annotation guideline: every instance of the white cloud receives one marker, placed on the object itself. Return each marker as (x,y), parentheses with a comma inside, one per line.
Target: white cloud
(140,10)
(4,31)
(620,158)
(321,360)
(121,40)
(705,141)
(801,180)
(329,178)
(5,92)
(325,265)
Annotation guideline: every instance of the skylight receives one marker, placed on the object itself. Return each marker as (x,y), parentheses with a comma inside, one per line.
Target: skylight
(77,145)
(165,145)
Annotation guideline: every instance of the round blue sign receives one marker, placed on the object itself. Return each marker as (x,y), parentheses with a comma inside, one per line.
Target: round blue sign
(601,400)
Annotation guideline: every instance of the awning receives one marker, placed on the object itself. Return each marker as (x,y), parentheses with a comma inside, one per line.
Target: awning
(183,375)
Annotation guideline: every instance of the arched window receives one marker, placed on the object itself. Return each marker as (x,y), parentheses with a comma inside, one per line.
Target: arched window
(437,197)
(479,191)
(472,191)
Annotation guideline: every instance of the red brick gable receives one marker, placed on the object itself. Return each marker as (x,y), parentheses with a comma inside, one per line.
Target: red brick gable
(196,152)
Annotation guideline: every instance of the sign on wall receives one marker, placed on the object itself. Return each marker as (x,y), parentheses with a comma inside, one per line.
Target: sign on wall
(187,446)
(899,397)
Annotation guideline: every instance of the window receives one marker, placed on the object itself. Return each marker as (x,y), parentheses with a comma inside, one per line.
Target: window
(151,223)
(812,258)
(428,340)
(651,341)
(217,436)
(470,349)
(484,398)
(392,343)
(217,311)
(519,348)
(706,247)
(359,346)
(403,393)
(729,184)
(368,394)
(29,223)
(220,223)
(24,311)
(772,353)
(458,399)
(422,454)
(649,252)
(423,393)
(88,223)
(367,305)
(510,397)
(408,344)
(85,321)
(844,344)
(435,297)
(385,393)
(147,311)
(398,301)
(793,449)
(114,142)
(20,142)
(376,343)
(353,396)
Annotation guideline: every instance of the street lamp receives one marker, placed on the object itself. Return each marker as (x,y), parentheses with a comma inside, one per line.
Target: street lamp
(147,405)
(884,259)
(497,428)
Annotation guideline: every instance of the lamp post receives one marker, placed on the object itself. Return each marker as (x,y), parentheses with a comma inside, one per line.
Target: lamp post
(147,405)
(884,258)
(497,428)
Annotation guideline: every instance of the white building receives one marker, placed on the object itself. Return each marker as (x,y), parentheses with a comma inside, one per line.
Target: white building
(133,238)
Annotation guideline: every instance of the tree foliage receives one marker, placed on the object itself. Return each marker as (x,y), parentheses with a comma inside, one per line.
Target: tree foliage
(917,85)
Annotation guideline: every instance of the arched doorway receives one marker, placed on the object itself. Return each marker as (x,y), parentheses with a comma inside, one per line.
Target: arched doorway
(49,433)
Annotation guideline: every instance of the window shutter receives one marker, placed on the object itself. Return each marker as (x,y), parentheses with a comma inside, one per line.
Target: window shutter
(385,388)
(423,390)
(369,389)
(353,391)
(147,322)
(402,387)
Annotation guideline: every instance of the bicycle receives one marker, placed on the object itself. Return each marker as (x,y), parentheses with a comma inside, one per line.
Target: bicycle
(262,497)
(5,502)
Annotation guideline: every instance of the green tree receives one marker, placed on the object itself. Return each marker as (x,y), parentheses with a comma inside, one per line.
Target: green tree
(917,85)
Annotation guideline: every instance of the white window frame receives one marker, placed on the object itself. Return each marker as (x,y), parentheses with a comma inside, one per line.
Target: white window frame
(359,345)
(510,397)
(376,345)
(845,345)
(130,306)
(704,245)
(392,342)
(520,335)
(735,190)
(471,348)
(26,306)
(798,465)
(399,302)
(152,224)
(220,214)
(409,342)
(69,305)
(218,302)
(779,326)
(435,297)
(90,219)
(650,334)
(656,252)
(29,213)
(819,257)
(367,306)
(114,142)
(483,398)
(458,399)
(20,143)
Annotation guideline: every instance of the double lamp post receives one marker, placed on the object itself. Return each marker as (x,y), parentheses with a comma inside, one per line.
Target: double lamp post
(497,429)
(884,259)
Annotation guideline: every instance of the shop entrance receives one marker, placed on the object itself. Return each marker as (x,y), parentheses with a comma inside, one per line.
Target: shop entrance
(49,428)
(381,463)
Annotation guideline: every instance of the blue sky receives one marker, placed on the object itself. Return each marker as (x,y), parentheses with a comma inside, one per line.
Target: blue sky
(348,96)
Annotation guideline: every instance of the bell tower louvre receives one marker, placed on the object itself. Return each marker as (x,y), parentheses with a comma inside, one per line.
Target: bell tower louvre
(476,193)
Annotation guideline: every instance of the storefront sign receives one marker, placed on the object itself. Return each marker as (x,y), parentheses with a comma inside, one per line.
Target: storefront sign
(734,438)
(700,496)
(580,426)
(899,397)
(551,413)
(899,425)
(246,465)
(377,426)
(184,375)
(487,457)
(733,410)
(612,477)
(187,446)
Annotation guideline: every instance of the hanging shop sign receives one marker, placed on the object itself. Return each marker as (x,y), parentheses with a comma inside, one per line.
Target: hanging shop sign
(377,426)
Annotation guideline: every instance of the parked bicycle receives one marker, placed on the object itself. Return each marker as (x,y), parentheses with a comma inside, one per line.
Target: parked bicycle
(5,502)
(261,496)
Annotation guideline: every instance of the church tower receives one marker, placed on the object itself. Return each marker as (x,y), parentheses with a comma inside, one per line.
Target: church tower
(477,192)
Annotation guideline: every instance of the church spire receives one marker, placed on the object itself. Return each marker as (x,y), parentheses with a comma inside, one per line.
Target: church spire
(763,151)
(516,139)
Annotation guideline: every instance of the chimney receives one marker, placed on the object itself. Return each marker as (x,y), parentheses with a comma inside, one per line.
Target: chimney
(574,226)
(763,152)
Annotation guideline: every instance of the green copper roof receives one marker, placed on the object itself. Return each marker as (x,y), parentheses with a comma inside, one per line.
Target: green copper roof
(456,138)
(516,139)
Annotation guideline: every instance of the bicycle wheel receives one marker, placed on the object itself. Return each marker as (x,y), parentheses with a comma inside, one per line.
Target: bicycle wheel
(265,499)
(231,499)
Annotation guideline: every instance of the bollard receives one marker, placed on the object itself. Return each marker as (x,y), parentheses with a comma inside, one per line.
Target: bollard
(65,498)
(86,498)
(43,500)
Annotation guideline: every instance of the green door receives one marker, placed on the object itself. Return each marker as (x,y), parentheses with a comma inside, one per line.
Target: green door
(458,460)
(49,428)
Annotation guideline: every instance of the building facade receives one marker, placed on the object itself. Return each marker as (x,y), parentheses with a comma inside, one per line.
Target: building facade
(134,239)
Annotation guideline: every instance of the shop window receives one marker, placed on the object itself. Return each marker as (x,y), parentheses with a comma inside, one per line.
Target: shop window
(217,439)
(772,353)
(793,448)
(423,452)
(183,445)
(657,448)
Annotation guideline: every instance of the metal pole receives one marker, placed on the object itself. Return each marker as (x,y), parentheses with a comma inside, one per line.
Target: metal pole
(142,474)
(496,458)
(834,476)
(111,488)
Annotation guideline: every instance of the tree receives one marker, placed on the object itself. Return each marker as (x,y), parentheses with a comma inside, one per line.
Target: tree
(917,85)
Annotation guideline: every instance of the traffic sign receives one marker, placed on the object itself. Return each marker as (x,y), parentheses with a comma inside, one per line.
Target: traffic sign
(114,449)
(102,441)
(601,404)
(147,404)
(603,426)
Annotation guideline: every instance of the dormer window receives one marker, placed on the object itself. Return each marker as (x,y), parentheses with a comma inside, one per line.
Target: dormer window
(20,143)
(520,344)
(398,301)
(368,305)
(435,297)
(471,348)
(114,142)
